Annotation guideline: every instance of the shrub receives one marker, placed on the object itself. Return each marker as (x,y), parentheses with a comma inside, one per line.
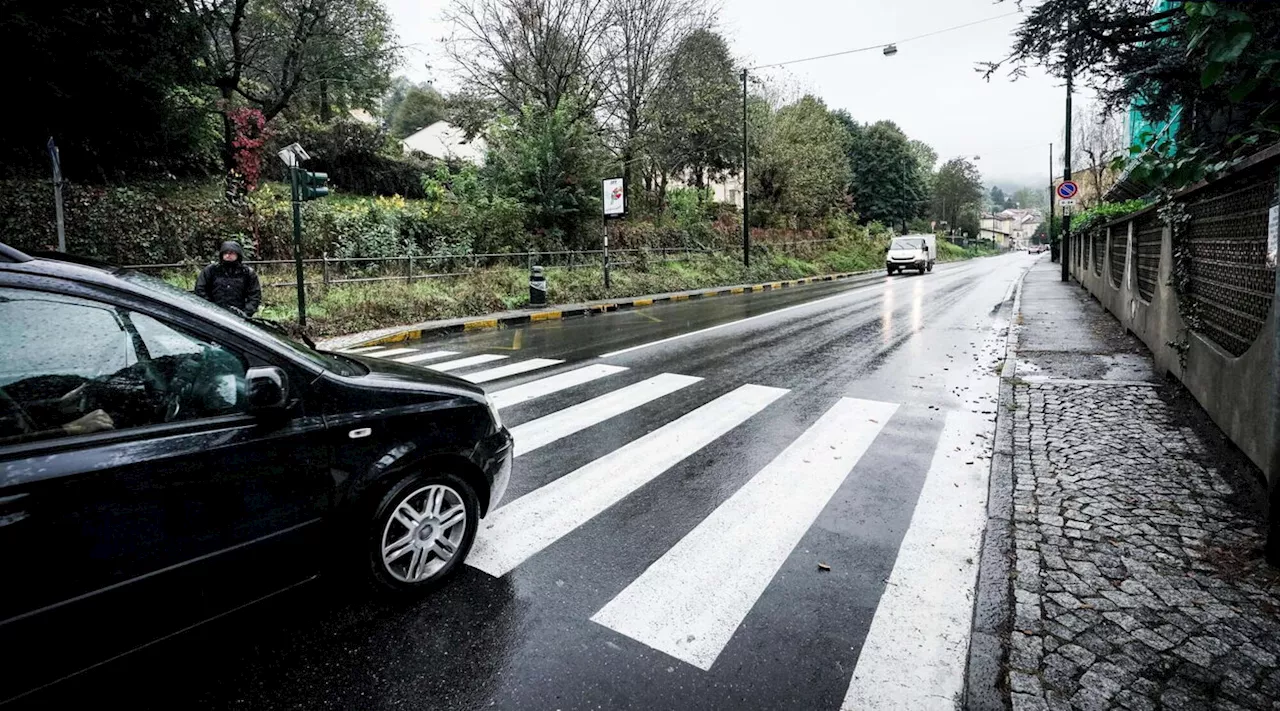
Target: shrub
(1103,213)
(550,162)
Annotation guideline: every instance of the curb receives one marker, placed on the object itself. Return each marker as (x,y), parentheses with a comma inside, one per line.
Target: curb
(567,312)
(993,600)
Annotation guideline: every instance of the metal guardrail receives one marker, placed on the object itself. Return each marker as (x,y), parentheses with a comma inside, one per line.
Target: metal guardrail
(336,270)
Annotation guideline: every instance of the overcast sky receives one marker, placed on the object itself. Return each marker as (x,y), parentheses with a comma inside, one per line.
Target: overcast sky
(930,88)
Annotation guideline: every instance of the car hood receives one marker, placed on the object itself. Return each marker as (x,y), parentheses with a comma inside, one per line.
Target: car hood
(413,378)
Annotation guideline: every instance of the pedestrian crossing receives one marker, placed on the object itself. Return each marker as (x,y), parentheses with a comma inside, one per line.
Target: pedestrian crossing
(527,525)
(689,603)
(690,600)
(506,371)
(422,357)
(561,424)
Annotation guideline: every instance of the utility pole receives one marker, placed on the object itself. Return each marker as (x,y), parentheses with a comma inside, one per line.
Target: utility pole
(746,184)
(1066,175)
(1049,221)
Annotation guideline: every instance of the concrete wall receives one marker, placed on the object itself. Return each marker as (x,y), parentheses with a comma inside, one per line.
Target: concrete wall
(1237,392)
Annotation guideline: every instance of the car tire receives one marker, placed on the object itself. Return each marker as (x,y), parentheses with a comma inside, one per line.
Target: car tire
(891,270)
(417,537)
(921,271)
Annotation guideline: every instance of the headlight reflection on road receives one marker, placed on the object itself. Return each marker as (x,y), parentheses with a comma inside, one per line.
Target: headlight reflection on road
(886,315)
(917,305)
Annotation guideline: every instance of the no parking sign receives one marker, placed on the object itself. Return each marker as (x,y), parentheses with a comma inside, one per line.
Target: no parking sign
(1067,190)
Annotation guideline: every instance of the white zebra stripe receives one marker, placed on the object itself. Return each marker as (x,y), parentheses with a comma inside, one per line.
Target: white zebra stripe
(554,384)
(689,603)
(527,525)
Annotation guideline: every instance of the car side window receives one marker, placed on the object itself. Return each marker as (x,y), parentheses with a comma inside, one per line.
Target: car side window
(71,366)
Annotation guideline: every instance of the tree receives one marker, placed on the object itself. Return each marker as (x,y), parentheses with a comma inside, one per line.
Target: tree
(549,161)
(1097,138)
(696,111)
(1032,198)
(111,81)
(799,162)
(1210,64)
(926,159)
(266,53)
(886,181)
(958,192)
(541,53)
(998,199)
(642,39)
(421,107)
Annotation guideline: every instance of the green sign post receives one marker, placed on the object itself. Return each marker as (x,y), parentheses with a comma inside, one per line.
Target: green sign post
(305,185)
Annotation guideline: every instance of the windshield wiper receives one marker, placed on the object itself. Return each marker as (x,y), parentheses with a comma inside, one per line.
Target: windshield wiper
(277,328)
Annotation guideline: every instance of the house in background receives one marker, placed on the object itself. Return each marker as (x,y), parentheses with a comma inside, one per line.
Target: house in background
(364,117)
(1010,229)
(444,141)
(726,190)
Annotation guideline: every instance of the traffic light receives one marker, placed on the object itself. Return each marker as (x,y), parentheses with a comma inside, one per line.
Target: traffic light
(312,185)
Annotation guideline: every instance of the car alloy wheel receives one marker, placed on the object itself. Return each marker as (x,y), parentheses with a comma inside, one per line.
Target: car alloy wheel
(425,531)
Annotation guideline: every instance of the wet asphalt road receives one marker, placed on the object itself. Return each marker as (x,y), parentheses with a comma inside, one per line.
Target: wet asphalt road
(525,639)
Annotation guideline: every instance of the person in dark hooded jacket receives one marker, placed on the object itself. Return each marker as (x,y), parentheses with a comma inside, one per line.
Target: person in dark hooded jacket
(230,283)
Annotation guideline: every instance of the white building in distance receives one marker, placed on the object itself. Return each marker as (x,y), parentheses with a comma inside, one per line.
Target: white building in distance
(444,141)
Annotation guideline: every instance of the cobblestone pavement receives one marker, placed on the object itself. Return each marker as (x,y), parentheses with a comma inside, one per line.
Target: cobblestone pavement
(1137,581)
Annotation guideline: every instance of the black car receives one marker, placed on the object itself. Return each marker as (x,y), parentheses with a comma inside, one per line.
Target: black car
(163,461)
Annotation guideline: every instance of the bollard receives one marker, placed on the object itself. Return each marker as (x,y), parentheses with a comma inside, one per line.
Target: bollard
(537,287)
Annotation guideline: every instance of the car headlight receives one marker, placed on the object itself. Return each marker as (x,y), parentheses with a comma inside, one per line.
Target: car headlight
(493,412)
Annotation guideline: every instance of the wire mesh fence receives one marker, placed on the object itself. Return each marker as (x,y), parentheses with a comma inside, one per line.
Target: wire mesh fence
(1118,250)
(1148,235)
(335,271)
(1223,252)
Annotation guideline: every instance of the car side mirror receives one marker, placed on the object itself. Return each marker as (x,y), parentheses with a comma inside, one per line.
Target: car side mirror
(268,388)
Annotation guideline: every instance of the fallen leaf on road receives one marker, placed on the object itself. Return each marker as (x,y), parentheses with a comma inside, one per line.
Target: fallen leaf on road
(823,566)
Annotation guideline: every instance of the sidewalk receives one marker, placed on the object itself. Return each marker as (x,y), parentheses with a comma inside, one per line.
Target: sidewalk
(1133,575)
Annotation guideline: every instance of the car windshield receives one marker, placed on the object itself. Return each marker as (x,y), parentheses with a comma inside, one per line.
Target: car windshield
(265,330)
(907,243)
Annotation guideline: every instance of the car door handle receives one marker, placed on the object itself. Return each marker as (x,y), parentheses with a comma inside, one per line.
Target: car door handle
(10,513)
(6,500)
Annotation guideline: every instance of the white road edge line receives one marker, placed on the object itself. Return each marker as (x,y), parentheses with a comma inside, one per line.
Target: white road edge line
(690,602)
(562,423)
(916,650)
(464,362)
(362,349)
(553,384)
(425,356)
(527,525)
(506,371)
